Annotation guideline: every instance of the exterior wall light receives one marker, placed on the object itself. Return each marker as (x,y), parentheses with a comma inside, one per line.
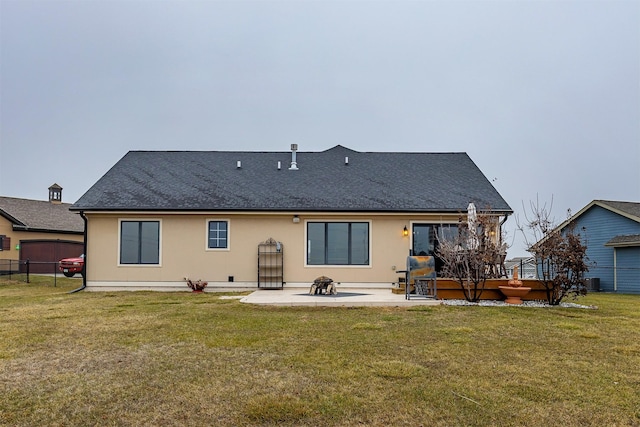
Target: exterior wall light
(296,219)
(405,232)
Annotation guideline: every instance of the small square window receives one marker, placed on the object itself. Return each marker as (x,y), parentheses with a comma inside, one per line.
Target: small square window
(218,235)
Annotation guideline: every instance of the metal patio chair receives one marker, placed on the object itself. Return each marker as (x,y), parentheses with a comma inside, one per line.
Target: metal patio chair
(421,273)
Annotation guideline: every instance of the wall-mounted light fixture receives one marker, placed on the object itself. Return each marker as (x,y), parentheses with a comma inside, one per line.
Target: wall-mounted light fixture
(296,219)
(405,232)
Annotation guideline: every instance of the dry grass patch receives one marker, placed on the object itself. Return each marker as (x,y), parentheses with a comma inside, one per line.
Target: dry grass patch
(144,358)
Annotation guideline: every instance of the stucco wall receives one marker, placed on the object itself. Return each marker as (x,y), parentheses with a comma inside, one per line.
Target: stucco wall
(184,253)
(6,230)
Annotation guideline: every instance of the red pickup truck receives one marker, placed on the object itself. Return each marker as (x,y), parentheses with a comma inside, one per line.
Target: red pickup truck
(71,266)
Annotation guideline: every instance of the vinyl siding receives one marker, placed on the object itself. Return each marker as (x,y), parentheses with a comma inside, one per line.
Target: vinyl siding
(597,226)
(628,270)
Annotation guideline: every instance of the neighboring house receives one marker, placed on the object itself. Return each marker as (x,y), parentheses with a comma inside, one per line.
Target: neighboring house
(526,267)
(159,216)
(40,231)
(611,231)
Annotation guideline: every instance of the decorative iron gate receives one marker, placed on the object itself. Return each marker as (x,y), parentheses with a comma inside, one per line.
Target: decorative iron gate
(270,265)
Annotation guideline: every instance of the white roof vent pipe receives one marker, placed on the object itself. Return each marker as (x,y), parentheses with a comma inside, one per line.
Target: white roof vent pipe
(279,165)
(294,164)
(238,164)
(346,160)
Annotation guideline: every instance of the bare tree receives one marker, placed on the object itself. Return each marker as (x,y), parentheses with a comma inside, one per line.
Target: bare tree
(471,258)
(560,254)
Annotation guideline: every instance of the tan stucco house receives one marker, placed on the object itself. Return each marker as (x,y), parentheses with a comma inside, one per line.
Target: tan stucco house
(159,216)
(38,230)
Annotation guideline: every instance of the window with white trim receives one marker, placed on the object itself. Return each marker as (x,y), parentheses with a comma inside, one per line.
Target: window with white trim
(338,243)
(218,235)
(140,242)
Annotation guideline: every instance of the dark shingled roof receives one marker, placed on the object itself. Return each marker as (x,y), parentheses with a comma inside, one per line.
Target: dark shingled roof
(38,215)
(624,240)
(631,209)
(373,182)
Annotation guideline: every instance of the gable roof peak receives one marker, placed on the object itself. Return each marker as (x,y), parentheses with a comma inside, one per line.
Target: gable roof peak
(340,148)
(630,210)
(40,215)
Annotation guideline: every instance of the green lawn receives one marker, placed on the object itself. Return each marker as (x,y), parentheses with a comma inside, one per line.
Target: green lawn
(144,358)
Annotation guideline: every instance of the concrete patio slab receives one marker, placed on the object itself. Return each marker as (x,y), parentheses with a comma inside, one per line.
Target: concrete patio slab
(357,297)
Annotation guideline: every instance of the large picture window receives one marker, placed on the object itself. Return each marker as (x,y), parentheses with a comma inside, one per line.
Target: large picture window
(338,243)
(139,242)
(218,235)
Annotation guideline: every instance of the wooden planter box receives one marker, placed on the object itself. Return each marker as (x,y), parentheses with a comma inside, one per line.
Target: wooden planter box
(450,289)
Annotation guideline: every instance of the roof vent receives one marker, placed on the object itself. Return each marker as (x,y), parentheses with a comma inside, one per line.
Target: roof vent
(294,164)
(279,165)
(238,164)
(346,160)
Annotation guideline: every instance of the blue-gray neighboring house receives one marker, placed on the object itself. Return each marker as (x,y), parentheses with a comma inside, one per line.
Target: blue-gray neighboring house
(612,234)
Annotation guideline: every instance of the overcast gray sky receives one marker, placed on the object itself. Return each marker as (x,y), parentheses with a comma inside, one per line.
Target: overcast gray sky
(543,95)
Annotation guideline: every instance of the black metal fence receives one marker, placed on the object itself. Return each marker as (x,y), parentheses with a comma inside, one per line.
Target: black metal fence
(24,270)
